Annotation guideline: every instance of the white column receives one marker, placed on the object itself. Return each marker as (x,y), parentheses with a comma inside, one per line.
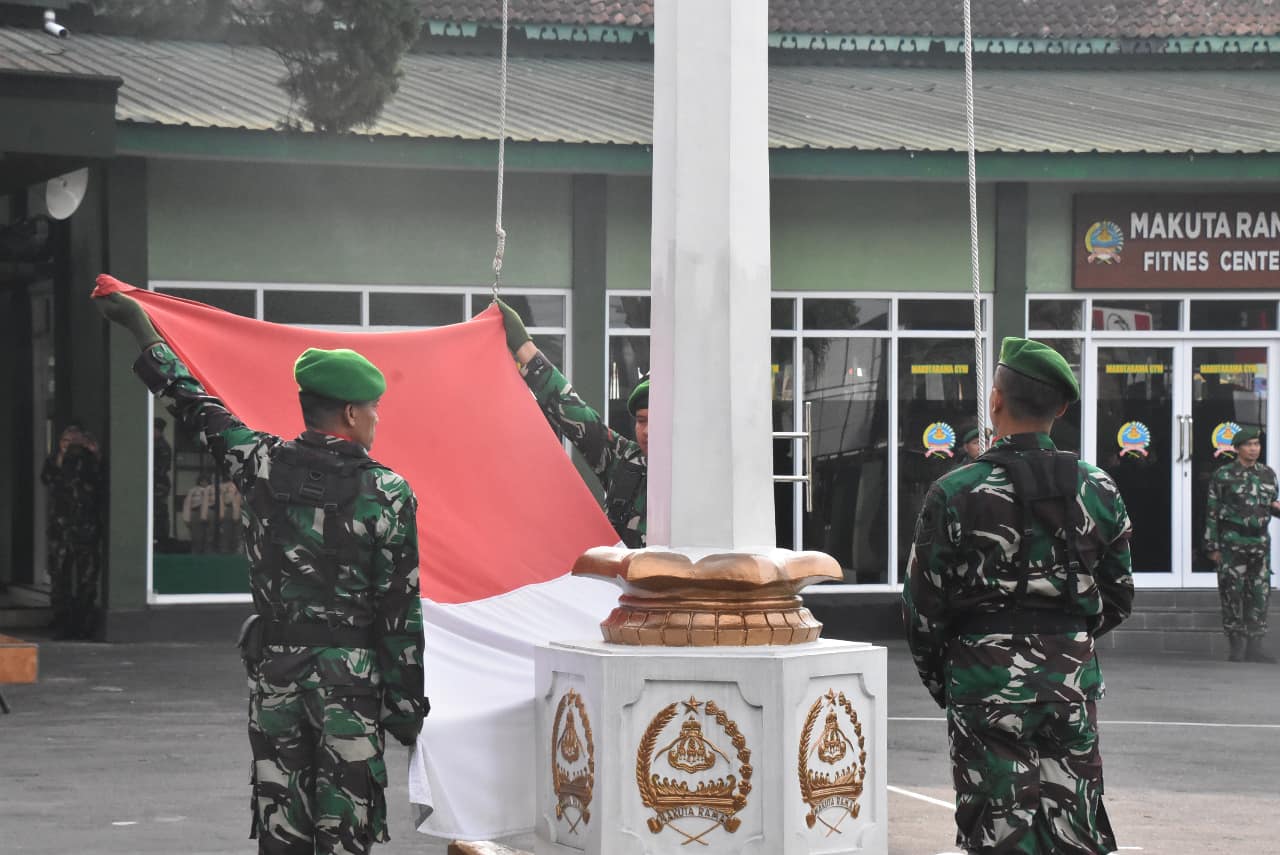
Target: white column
(710,450)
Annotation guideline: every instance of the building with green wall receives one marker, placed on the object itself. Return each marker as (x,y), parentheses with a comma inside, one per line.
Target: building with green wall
(194,190)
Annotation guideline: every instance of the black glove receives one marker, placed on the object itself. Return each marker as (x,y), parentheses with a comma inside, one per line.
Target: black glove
(128,313)
(517,335)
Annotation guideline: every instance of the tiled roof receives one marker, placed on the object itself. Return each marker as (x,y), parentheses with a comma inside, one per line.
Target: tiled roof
(1028,19)
(601,101)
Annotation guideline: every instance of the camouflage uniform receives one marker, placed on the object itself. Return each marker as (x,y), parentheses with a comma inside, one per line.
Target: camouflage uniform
(74,528)
(616,460)
(317,712)
(1236,519)
(1020,690)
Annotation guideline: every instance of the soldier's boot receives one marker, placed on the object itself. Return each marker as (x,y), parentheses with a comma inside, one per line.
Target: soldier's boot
(1236,654)
(1255,653)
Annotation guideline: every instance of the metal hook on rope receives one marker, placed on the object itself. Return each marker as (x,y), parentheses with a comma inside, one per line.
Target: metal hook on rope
(499,232)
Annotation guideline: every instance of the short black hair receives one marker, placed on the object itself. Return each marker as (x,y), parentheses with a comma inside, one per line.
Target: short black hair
(1029,399)
(318,411)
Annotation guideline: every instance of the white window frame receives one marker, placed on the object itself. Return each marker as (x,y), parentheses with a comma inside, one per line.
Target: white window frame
(796,333)
(473,296)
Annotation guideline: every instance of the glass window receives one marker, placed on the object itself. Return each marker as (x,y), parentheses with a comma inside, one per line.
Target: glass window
(937,315)
(628,362)
(937,403)
(782,311)
(1233,315)
(847,381)
(415,310)
(1117,316)
(235,301)
(839,313)
(629,312)
(538,310)
(326,308)
(1055,315)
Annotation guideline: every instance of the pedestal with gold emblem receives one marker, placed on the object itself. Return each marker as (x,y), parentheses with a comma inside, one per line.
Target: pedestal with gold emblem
(714,721)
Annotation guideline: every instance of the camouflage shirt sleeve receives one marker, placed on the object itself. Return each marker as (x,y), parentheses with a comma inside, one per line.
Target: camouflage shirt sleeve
(1213,508)
(398,613)
(1114,572)
(237,449)
(571,416)
(924,600)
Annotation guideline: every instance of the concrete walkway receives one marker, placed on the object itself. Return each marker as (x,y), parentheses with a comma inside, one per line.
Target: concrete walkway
(141,748)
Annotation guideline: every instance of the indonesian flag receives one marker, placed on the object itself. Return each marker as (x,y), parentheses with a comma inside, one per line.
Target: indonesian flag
(502,516)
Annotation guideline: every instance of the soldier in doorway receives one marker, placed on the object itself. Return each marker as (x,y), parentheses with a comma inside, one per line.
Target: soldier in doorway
(334,647)
(74,477)
(621,464)
(1242,500)
(970,447)
(1020,561)
(196,508)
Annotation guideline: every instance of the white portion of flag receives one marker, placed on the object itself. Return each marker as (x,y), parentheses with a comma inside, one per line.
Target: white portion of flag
(473,765)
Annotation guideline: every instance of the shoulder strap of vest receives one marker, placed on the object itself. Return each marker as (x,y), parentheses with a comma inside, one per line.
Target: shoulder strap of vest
(316,478)
(619,500)
(1046,483)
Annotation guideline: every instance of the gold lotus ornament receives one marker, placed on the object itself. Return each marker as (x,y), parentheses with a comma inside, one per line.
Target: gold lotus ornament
(725,599)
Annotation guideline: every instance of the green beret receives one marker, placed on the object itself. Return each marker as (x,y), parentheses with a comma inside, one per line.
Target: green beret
(342,375)
(1244,435)
(969,436)
(639,398)
(1040,362)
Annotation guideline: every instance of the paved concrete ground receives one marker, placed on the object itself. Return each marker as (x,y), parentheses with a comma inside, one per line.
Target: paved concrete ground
(141,749)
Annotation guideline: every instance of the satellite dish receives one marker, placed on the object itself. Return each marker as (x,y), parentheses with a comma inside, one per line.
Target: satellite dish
(62,195)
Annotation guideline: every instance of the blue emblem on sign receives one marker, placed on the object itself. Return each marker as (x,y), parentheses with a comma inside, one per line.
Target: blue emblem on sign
(1222,436)
(1104,240)
(939,439)
(1133,438)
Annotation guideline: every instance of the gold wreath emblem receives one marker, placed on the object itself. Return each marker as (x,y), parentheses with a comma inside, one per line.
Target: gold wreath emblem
(713,798)
(837,787)
(573,789)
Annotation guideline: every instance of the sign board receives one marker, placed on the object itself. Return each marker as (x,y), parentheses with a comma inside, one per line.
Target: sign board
(1176,241)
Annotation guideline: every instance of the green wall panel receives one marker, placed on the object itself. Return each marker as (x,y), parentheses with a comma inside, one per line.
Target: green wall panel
(201,574)
(252,222)
(1049,237)
(877,236)
(836,236)
(629,216)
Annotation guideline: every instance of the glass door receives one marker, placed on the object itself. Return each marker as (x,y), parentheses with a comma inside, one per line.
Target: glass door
(1162,419)
(1135,439)
(1227,391)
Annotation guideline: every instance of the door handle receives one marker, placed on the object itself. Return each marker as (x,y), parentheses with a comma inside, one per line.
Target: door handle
(1184,439)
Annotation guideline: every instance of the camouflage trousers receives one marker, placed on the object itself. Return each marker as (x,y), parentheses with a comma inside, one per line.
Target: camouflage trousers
(1244,586)
(1028,779)
(318,769)
(74,567)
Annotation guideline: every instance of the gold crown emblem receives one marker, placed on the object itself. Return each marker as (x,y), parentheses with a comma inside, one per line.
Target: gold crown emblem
(572,781)
(837,788)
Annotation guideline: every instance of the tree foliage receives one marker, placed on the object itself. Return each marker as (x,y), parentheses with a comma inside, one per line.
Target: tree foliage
(164,18)
(342,57)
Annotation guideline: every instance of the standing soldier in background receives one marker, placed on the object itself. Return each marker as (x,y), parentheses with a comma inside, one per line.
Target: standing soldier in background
(74,477)
(1241,503)
(620,464)
(334,648)
(1020,561)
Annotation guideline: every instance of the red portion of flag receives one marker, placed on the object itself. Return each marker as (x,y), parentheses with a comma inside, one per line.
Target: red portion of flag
(500,503)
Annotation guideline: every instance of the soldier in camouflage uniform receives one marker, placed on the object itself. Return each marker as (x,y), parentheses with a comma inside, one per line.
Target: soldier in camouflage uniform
(1241,503)
(334,648)
(621,464)
(74,478)
(1021,560)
